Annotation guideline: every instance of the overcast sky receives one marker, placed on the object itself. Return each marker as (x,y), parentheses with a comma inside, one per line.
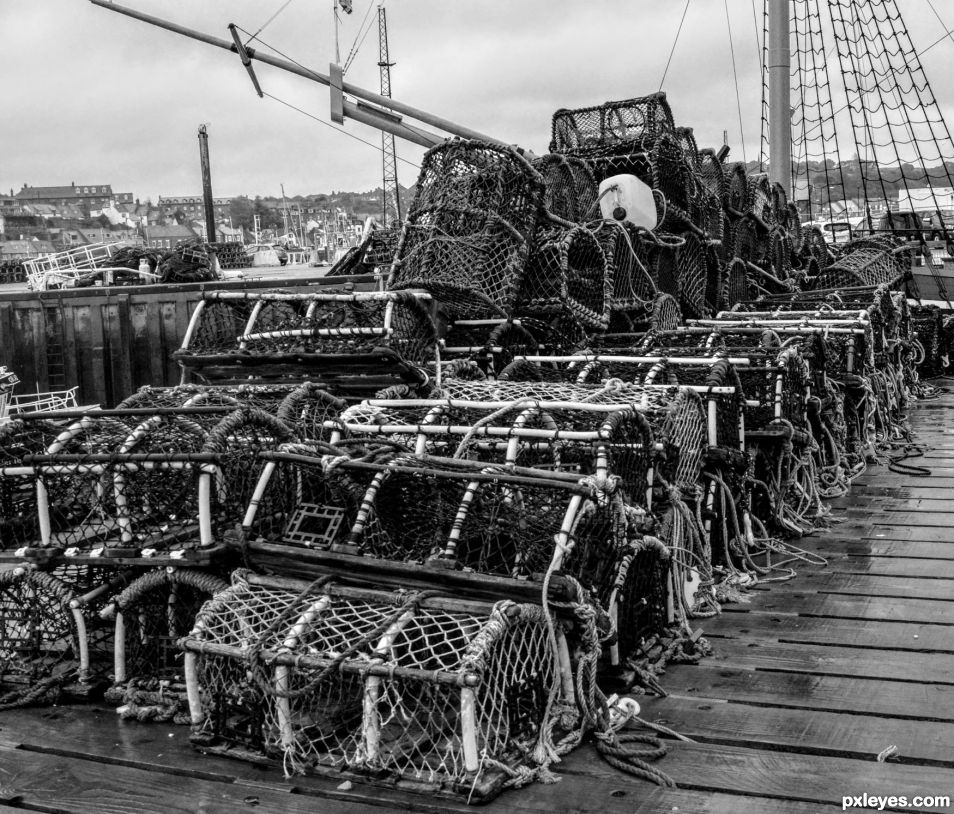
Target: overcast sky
(94,97)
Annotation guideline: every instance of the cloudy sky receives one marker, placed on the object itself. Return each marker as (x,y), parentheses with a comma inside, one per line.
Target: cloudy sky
(94,97)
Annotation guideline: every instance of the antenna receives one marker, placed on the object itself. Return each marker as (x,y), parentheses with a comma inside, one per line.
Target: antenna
(392,192)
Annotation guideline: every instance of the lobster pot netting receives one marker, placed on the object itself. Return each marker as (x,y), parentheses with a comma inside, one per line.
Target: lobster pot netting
(151,615)
(927,327)
(492,524)
(570,188)
(485,349)
(306,409)
(39,636)
(269,329)
(675,416)
(568,274)
(304,501)
(864,263)
(432,690)
(266,397)
(578,438)
(632,125)
(469,230)
(44,642)
(19,517)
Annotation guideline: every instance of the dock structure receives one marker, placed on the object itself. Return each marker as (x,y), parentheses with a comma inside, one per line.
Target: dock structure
(830,686)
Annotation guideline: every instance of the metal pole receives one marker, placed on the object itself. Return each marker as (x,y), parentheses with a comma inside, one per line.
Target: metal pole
(206,183)
(323,79)
(780,102)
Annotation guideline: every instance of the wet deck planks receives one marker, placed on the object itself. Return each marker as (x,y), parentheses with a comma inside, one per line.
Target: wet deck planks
(809,681)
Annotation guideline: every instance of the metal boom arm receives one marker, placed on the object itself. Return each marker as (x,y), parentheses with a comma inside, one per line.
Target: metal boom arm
(370,114)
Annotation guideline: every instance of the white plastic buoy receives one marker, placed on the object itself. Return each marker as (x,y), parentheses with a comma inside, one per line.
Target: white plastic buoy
(625,197)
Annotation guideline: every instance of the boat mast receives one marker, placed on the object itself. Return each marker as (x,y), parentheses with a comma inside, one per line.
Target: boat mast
(780,102)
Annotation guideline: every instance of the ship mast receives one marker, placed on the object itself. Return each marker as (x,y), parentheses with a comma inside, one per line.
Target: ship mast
(780,102)
(392,192)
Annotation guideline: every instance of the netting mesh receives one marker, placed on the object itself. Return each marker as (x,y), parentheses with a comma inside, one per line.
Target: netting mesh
(568,273)
(470,227)
(152,614)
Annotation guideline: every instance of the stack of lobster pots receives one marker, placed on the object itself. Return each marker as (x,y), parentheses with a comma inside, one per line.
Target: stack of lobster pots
(418,534)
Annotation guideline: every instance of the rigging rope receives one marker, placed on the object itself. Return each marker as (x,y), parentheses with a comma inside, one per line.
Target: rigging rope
(675,41)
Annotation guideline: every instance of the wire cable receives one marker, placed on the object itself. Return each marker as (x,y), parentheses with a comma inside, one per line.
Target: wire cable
(269,21)
(335,127)
(735,74)
(674,43)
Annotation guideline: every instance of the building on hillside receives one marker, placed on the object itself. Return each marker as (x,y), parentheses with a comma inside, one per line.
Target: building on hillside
(106,234)
(166,237)
(86,196)
(192,206)
(226,234)
(18,250)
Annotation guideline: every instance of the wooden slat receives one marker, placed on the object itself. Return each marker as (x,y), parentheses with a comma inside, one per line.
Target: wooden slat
(769,626)
(858,606)
(807,732)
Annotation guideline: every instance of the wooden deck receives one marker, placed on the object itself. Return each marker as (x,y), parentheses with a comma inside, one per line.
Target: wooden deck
(808,683)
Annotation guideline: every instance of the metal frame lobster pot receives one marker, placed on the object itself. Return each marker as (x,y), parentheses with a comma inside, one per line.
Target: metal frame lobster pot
(51,636)
(414,689)
(120,487)
(150,615)
(356,342)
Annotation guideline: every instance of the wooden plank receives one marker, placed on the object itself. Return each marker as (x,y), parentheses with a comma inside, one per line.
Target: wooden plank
(122,352)
(70,355)
(800,777)
(169,342)
(866,585)
(805,732)
(861,606)
(70,784)
(928,668)
(902,567)
(770,626)
(101,377)
(156,353)
(868,547)
(879,530)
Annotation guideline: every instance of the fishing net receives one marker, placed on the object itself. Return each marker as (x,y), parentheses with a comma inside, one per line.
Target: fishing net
(151,614)
(306,409)
(398,686)
(469,230)
(492,344)
(266,397)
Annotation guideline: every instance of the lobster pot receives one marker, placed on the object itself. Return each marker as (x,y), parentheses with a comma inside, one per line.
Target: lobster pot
(19,516)
(570,188)
(469,230)
(50,631)
(151,614)
(676,416)
(631,125)
(640,599)
(266,397)
(568,274)
(629,252)
(699,275)
(429,692)
(927,330)
(491,523)
(76,503)
(490,345)
(864,263)
(382,244)
(236,336)
(572,437)
(301,500)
